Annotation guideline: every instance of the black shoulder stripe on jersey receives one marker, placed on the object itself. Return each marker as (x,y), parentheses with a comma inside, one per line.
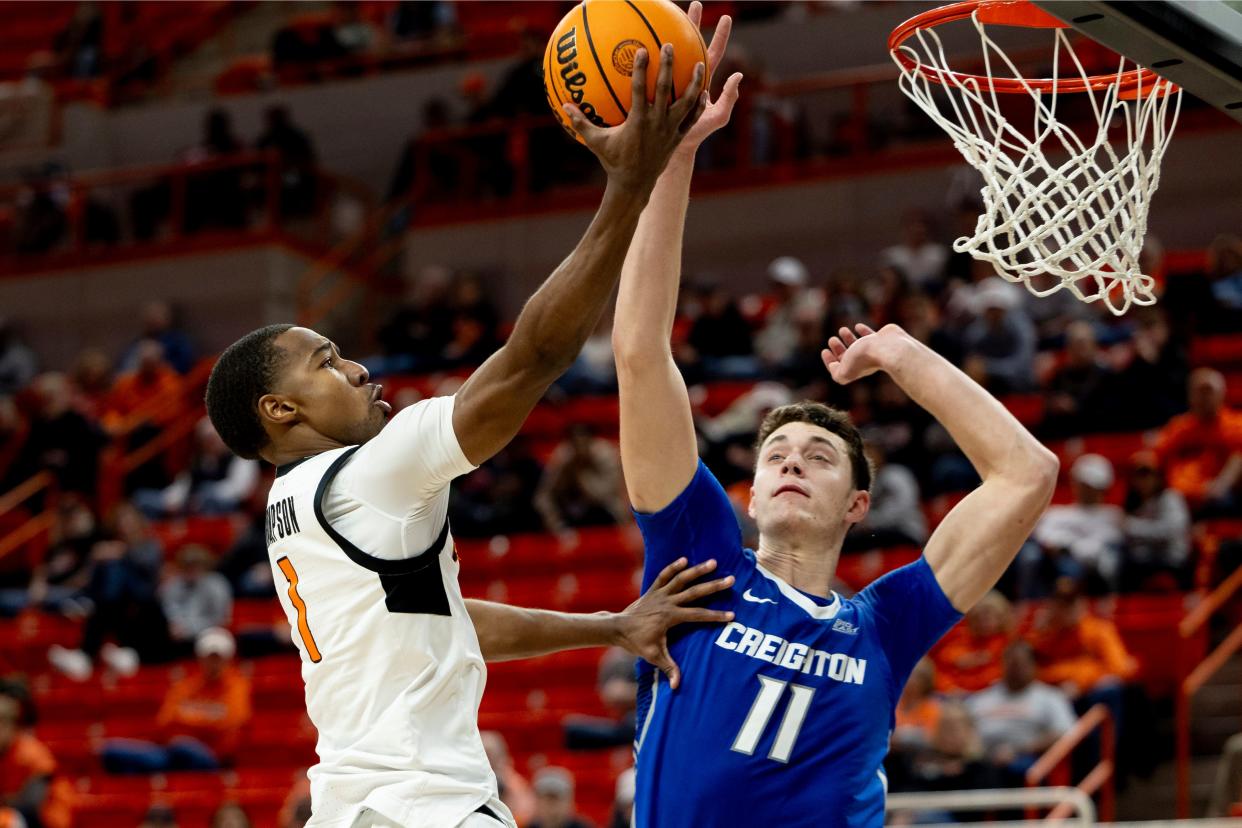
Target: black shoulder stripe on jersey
(384,566)
(285,468)
(411,585)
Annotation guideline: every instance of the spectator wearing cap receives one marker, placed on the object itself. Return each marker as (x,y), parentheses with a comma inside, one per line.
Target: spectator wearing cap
(31,792)
(1020,717)
(790,302)
(1157,527)
(1201,450)
(969,659)
(1082,539)
(201,718)
(554,800)
(195,598)
(918,257)
(1000,342)
(515,791)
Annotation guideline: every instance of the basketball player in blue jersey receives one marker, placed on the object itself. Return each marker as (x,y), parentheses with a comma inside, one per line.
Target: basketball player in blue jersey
(783,715)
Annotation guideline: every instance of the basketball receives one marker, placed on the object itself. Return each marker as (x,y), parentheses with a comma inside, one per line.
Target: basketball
(590,56)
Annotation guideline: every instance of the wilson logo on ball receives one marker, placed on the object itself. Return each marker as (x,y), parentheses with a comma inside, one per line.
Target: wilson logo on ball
(573,77)
(623,56)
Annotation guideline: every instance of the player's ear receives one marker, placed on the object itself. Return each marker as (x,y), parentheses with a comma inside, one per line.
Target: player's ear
(277,409)
(860,504)
(750,506)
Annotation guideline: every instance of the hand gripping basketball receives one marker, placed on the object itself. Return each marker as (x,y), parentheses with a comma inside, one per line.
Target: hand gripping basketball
(634,153)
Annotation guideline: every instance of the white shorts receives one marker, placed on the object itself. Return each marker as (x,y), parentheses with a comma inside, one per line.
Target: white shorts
(374,819)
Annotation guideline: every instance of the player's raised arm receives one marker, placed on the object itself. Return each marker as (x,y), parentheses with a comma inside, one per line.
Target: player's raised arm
(658,448)
(507,632)
(976,541)
(550,331)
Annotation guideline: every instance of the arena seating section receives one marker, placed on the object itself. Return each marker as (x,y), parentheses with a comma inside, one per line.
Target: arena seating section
(526,701)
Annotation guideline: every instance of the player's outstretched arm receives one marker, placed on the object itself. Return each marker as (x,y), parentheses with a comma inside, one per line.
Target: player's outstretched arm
(658,448)
(976,541)
(507,633)
(550,331)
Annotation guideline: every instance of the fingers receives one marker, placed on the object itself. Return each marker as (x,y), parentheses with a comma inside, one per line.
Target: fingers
(864,329)
(847,336)
(664,81)
(581,125)
(702,615)
(638,84)
(664,661)
(728,95)
(720,41)
(667,573)
(692,101)
(699,591)
(695,13)
(837,347)
(690,576)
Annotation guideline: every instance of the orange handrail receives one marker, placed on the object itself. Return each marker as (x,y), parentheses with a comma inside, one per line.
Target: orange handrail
(1100,778)
(37,524)
(1199,676)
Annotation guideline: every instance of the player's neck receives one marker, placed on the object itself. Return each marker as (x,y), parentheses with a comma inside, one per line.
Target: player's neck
(298,445)
(805,564)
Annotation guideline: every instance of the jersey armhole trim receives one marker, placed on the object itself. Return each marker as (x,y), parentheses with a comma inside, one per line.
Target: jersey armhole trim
(382,566)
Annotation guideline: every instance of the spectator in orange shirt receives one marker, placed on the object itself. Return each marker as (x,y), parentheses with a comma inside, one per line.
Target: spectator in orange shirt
(30,793)
(152,379)
(918,709)
(1202,449)
(1077,651)
(969,660)
(201,718)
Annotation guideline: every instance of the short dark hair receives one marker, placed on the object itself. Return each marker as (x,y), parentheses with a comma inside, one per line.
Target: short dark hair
(244,372)
(829,419)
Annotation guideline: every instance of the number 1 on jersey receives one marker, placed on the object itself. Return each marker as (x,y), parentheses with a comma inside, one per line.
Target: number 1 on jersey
(291,575)
(770,692)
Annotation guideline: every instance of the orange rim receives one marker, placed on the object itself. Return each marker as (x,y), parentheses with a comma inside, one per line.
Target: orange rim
(1130,84)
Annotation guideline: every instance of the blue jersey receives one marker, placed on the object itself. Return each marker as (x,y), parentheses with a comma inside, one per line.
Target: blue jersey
(783,715)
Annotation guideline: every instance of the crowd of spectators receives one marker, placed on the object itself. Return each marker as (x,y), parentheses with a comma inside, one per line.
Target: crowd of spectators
(219,190)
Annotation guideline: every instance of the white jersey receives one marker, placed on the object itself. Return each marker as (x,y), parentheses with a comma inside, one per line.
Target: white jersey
(366,571)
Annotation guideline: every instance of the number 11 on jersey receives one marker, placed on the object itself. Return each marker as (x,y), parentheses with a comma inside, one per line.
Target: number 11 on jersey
(770,692)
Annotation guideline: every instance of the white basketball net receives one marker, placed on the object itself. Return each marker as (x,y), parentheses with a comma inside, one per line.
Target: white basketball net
(1076,223)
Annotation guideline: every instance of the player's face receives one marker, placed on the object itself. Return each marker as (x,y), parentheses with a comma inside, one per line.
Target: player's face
(804,483)
(328,393)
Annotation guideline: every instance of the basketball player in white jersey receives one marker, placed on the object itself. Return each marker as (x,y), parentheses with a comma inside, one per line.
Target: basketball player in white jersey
(358,536)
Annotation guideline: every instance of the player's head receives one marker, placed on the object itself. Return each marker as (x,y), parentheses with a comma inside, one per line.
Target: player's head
(811,474)
(285,387)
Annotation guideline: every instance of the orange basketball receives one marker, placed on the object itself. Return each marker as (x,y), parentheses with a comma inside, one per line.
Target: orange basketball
(590,56)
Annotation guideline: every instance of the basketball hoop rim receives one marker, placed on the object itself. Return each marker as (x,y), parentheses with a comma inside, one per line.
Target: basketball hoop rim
(1130,84)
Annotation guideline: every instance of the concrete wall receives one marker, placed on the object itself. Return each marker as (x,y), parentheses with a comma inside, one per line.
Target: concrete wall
(828,224)
(221,296)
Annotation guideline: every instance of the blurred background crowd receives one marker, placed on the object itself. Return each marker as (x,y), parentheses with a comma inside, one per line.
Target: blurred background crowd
(150,672)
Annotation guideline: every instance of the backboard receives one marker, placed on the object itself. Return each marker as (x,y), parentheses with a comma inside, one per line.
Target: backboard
(1197,44)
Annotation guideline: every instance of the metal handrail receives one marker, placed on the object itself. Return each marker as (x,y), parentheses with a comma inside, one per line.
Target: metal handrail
(1102,775)
(1190,685)
(38,523)
(993,799)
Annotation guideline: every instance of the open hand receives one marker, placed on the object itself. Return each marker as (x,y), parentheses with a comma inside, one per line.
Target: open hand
(646,622)
(716,113)
(855,354)
(634,153)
